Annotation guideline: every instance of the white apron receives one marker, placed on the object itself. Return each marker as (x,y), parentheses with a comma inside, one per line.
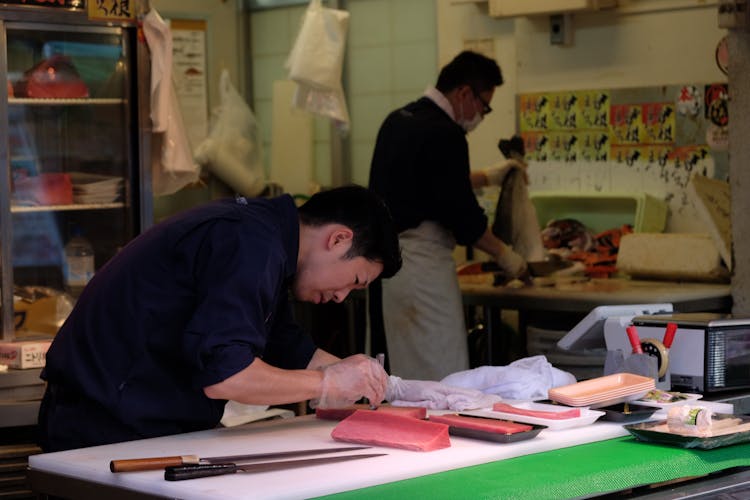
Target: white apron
(422,309)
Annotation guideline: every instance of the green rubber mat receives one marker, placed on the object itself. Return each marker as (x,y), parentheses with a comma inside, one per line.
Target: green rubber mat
(593,468)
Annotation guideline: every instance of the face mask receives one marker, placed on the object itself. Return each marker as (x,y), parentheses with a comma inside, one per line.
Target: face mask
(469,125)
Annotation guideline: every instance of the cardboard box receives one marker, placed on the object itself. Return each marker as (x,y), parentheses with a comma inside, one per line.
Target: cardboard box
(28,354)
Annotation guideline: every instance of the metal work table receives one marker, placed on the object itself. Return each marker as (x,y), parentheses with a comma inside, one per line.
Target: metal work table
(576,299)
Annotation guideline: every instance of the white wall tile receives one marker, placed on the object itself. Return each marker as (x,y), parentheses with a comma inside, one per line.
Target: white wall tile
(270,33)
(369,23)
(266,70)
(413,20)
(370,70)
(414,66)
(367,113)
(361,158)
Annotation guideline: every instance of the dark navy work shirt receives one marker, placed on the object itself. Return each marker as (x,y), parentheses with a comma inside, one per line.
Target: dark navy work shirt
(185,305)
(421,168)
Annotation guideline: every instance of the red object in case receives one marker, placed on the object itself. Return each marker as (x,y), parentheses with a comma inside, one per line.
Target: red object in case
(44,189)
(52,78)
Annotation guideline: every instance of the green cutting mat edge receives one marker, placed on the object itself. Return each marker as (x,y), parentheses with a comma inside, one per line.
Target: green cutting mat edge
(564,473)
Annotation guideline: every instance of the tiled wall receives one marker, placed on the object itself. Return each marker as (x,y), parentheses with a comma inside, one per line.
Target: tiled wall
(391,58)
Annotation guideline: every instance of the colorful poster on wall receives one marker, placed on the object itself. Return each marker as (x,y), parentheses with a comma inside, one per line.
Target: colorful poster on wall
(575,125)
(593,145)
(658,123)
(593,109)
(626,124)
(534,112)
(536,145)
(563,111)
(717,104)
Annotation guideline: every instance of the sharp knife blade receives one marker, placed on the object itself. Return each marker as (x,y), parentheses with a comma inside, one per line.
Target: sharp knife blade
(155,463)
(380,358)
(183,472)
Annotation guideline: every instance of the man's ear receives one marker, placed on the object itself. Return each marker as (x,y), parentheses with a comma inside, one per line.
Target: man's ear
(340,235)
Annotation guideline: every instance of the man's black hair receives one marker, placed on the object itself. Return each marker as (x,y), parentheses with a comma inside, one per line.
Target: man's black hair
(365,213)
(470,68)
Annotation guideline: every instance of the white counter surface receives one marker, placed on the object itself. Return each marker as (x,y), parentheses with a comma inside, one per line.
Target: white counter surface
(92,464)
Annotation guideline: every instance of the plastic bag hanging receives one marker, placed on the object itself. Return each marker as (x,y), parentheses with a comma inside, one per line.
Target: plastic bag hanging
(316,61)
(232,151)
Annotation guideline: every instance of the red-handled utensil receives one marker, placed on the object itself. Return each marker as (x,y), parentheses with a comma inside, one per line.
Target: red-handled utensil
(669,335)
(635,340)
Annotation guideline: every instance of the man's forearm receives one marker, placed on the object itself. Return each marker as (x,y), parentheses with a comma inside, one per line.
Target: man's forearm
(321,358)
(263,384)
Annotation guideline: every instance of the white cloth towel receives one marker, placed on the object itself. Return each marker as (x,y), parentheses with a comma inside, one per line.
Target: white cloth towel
(174,168)
(436,396)
(527,378)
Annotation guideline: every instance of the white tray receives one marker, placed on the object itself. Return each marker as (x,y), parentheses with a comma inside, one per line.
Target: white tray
(689,399)
(587,416)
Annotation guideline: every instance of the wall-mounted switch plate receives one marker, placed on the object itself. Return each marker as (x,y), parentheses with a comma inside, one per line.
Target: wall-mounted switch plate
(561,29)
(733,14)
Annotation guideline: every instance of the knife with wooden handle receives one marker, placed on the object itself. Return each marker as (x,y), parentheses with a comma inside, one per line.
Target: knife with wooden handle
(155,463)
(182,472)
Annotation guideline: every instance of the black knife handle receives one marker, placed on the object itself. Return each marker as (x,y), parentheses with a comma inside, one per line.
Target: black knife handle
(180,472)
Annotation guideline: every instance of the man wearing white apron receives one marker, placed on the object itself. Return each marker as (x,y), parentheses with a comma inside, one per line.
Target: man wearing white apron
(420,167)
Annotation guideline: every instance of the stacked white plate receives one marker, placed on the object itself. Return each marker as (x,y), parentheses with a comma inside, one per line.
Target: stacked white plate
(603,391)
(96,188)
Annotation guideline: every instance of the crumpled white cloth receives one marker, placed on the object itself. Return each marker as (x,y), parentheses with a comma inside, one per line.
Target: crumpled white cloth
(527,378)
(435,396)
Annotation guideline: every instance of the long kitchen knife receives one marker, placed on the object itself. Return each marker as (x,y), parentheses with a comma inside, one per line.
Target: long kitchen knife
(182,472)
(155,463)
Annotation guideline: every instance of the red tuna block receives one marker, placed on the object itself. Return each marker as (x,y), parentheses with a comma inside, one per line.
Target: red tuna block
(342,413)
(551,415)
(481,424)
(379,428)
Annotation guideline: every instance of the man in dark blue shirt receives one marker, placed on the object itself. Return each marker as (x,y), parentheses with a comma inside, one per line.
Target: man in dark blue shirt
(195,312)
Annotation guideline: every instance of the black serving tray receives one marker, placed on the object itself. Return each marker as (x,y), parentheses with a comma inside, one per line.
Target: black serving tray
(617,413)
(647,432)
(496,436)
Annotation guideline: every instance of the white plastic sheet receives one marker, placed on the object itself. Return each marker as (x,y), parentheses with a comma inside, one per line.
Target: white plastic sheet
(173,167)
(316,61)
(232,151)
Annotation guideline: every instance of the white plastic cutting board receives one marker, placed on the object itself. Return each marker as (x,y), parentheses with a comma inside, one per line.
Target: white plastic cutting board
(92,464)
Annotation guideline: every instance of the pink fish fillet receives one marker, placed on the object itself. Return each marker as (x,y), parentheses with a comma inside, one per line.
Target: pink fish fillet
(378,428)
(342,413)
(550,415)
(481,424)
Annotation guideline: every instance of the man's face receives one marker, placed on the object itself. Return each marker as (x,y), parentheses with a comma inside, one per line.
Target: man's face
(326,275)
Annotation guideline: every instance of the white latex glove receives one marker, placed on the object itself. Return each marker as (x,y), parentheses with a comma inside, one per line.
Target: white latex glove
(510,262)
(436,396)
(496,173)
(350,379)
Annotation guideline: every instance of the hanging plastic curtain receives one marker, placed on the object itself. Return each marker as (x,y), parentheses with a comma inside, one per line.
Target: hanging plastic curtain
(316,60)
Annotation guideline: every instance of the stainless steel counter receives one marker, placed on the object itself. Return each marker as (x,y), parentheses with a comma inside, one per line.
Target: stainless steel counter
(565,303)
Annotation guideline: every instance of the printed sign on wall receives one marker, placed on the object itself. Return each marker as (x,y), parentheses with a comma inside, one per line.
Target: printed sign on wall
(111,10)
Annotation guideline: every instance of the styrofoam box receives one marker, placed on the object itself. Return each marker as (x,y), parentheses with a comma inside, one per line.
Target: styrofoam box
(602,211)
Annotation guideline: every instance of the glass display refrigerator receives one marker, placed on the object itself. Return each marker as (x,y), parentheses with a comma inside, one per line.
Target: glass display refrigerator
(75,186)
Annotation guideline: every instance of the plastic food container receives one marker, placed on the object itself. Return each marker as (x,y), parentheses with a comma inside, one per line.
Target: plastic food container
(602,211)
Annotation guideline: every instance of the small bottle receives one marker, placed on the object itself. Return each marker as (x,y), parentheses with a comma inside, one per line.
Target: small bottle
(79,262)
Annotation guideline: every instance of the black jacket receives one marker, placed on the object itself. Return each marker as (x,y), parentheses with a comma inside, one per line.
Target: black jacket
(421,168)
